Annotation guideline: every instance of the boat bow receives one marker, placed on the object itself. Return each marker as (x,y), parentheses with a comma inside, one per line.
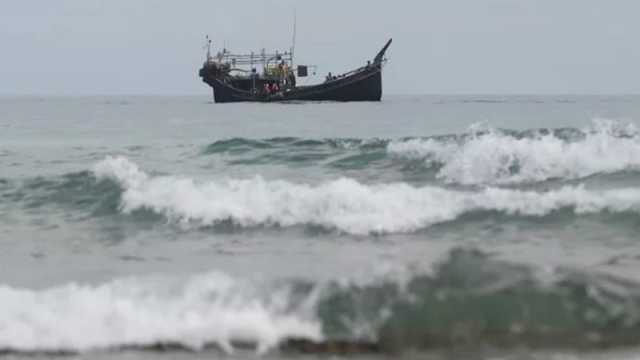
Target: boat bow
(378,59)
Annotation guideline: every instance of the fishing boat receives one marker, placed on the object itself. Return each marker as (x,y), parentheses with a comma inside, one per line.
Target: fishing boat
(273,77)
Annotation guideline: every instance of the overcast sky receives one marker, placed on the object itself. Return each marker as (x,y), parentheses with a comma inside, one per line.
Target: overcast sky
(76,47)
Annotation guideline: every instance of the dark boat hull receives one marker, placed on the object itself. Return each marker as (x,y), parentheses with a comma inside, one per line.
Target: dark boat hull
(363,85)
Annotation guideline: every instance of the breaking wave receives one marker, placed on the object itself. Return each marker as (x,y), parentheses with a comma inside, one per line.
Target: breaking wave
(343,204)
(482,156)
(469,299)
(502,157)
(206,310)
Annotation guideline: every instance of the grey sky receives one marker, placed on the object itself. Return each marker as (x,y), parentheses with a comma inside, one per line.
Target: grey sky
(446,46)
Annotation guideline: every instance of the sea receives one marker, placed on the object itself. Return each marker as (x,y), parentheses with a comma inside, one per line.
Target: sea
(419,227)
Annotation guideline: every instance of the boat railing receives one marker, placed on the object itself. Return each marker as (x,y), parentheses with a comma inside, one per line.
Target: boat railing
(252,58)
(355,71)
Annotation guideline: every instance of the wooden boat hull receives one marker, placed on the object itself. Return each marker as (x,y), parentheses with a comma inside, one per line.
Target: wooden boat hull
(363,84)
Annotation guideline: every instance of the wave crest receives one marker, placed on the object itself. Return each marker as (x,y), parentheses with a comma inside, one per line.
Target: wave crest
(343,204)
(207,309)
(469,299)
(498,157)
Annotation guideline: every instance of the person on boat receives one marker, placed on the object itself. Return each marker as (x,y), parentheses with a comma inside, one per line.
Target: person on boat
(267,89)
(285,73)
(329,77)
(292,80)
(275,87)
(281,68)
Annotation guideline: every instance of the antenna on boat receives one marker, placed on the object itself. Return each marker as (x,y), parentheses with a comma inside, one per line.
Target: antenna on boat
(293,42)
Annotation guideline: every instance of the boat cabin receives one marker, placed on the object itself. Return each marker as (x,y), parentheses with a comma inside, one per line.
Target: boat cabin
(257,73)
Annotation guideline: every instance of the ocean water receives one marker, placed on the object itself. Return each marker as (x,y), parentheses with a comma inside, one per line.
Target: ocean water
(420,227)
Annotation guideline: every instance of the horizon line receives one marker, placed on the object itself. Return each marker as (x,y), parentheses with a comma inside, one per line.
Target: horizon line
(70,95)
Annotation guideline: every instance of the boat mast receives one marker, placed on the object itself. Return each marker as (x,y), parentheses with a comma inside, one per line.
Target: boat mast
(208,49)
(293,42)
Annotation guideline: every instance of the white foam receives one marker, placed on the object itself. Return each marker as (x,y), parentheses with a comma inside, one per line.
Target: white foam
(496,158)
(207,309)
(343,204)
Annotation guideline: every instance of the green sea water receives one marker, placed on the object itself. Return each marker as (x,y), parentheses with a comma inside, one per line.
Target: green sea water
(417,227)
